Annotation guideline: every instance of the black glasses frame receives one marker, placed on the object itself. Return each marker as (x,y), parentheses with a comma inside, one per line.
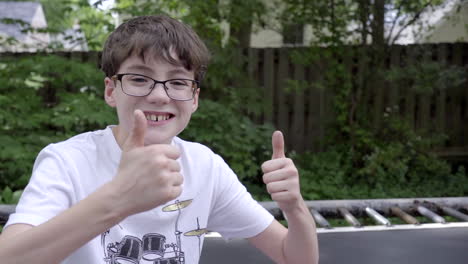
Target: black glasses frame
(120,75)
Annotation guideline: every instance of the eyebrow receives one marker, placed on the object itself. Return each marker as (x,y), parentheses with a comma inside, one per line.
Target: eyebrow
(149,70)
(179,70)
(140,67)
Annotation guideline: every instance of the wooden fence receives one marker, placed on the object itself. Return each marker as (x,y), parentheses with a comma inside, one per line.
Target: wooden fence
(303,115)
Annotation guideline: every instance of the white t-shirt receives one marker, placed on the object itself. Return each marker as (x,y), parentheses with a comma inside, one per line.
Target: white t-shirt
(212,199)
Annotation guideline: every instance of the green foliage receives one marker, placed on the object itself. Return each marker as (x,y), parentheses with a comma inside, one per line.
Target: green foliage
(93,22)
(426,78)
(363,160)
(44,99)
(394,162)
(7,196)
(358,22)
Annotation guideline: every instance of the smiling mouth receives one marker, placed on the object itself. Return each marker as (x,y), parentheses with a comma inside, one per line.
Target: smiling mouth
(158,117)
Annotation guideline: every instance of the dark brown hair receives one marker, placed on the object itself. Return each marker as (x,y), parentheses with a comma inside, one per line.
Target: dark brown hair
(157,36)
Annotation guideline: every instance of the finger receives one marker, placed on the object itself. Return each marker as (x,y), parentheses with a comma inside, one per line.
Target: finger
(282,196)
(277,142)
(178,179)
(173,152)
(176,191)
(169,151)
(275,187)
(275,164)
(276,176)
(136,138)
(174,166)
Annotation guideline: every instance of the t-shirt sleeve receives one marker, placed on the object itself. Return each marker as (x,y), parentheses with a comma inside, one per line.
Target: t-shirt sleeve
(48,192)
(234,213)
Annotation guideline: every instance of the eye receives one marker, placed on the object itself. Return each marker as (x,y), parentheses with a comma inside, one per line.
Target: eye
(179,83)
(138,79)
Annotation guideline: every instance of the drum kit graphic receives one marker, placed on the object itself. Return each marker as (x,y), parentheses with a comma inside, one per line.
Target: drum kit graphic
(152,247)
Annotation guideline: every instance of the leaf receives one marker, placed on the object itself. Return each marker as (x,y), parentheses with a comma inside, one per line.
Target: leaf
(7,195)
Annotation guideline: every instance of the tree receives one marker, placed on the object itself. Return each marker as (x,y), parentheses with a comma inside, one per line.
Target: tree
(94,22)
(373,24)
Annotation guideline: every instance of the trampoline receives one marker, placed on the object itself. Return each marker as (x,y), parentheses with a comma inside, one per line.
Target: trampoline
(429,231)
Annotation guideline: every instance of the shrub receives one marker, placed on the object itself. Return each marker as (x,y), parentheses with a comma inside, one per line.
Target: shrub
(44,99)
(396,162)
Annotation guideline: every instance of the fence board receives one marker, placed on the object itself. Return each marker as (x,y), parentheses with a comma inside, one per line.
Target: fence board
(268,82)
(298,117)
(377,92)
(410,97)
(393,94)
(441,100)
(283,109)
(252,64)
(424,103)
(457,102)
(323,105)
(313,112)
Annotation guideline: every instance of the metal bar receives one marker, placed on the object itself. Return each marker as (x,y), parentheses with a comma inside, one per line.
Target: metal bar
(404,216)
(454,213)
(431,215)
(377,217)
(319,219)
(349,217)
(5,211)
(327,208)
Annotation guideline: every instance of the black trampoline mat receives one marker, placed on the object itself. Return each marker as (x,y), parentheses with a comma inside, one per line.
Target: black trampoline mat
(419,246)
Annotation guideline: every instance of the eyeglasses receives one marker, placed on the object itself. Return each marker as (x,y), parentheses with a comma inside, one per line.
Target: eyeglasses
(140,85)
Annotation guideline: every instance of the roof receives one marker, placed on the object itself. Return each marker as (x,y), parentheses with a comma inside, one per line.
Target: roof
(25,11)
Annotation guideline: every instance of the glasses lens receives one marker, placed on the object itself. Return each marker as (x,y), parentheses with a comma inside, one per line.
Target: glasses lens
(180,89)
(136,85)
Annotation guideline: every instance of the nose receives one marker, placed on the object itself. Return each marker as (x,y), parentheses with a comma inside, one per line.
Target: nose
(158,95)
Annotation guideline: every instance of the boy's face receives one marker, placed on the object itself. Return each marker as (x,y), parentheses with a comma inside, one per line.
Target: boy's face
(175,115)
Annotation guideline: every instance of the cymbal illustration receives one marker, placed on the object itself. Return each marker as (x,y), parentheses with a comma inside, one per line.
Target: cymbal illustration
(196,232)
(176,206)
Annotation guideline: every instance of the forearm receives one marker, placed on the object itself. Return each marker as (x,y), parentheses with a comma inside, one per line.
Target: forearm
(300,244)
(54,240)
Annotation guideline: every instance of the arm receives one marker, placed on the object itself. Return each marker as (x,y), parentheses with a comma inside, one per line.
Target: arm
(54,240)
(298,243)
(148,172)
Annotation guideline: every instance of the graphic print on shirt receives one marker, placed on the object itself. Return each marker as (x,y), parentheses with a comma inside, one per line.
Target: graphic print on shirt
(152,247)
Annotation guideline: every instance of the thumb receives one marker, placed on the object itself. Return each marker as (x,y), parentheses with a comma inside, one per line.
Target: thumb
(277,142)
(136,136)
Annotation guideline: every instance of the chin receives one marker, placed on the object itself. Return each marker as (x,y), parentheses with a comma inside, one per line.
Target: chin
(153,141)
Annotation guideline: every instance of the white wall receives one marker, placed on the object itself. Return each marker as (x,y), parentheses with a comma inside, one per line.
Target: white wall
(453,28)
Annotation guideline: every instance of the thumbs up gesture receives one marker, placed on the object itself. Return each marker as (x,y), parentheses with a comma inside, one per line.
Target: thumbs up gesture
(148,176)
(281,177)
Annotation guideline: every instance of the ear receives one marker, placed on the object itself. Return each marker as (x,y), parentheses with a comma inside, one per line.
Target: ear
(109,92)
(195,100)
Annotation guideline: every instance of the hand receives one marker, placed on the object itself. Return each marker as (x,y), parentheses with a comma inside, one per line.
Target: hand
(148,176)
(281,177)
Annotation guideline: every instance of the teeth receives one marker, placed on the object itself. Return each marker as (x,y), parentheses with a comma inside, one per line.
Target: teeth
(157,118)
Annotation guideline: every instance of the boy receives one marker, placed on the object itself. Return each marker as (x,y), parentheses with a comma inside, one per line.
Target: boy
(135,192)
